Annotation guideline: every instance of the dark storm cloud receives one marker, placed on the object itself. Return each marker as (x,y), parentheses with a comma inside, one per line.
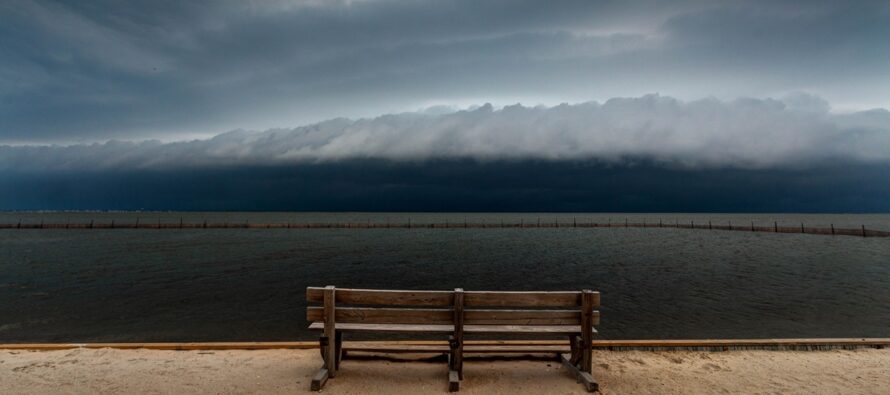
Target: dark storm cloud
(458,185)
(90,71)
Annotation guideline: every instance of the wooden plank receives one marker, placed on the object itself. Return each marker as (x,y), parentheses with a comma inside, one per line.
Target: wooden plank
(586,327)
(385,297)
(459,331)
(523,317)
(468,349)
(381,315)
(319,379)
(522,299)
(530,329)
(357,327)
(330,330)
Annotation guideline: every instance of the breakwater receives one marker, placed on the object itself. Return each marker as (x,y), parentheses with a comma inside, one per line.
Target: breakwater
(802,228)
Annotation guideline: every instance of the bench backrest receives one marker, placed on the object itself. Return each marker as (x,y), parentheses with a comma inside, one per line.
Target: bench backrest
(448,307)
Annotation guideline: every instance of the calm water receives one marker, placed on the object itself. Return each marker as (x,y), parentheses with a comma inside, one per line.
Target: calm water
(248,284)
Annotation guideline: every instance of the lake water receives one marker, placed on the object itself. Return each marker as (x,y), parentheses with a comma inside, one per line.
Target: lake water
(249,284)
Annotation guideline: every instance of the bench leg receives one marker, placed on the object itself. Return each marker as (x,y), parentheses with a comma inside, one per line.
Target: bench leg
(338,351)
(581,376)
(575,344)
(575,363)
(319,379)
(455,374)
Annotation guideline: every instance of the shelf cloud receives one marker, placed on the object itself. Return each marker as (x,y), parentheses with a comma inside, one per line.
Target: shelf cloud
(798,130)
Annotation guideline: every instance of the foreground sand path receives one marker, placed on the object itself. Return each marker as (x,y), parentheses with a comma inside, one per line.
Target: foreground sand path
(84,371)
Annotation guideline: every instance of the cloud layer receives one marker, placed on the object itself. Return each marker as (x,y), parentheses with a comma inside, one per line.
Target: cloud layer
(795,131)
(105,69)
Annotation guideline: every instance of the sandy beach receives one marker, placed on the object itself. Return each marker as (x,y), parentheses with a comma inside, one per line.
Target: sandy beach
(88,371)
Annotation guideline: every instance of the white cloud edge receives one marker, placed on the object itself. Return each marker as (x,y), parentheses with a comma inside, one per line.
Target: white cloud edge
(797,130)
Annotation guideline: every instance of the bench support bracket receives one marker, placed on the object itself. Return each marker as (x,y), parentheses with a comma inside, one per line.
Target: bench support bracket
(583,377)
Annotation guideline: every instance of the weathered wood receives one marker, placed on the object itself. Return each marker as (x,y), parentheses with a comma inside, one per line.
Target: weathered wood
(577,347)
(330,330)
(530,329)
(453,381)
(522,317)
(586,327)
(383,315)
(459,331)
(523,299)
(581,376)
(384,297)
(319,379)
(493,329)
(355,327)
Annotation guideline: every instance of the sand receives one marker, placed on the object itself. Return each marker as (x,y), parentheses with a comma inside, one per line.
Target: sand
(89,371)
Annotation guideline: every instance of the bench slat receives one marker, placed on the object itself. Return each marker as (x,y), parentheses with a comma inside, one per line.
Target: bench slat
(494,329)
(543,329)
(384,297)
(522,299)
(373,315)
(522,317)
(355,327)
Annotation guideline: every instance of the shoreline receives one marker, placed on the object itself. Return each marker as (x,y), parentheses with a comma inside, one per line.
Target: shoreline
(107,370)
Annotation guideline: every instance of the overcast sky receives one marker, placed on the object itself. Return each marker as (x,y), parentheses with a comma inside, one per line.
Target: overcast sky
(90,71)
(156,95)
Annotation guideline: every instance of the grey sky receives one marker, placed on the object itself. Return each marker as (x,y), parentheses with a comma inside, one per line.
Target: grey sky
(92,71)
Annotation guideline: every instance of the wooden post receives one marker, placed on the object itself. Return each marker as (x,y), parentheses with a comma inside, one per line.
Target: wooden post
(112,224)
(863,231)
(832,229)
(692,224)
(709,225)
(459,331)
(659,222)
(801,228)
(574,222)
(180,222)
(330,330)
(752,226)
(776,227)
(586,329)
(91,224)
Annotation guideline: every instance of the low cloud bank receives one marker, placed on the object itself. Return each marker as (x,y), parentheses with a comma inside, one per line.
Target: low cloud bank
(794,131)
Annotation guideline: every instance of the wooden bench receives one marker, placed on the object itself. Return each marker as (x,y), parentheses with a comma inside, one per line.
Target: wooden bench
(455,314)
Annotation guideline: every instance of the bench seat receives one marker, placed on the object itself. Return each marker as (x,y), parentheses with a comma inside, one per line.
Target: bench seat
(544,329)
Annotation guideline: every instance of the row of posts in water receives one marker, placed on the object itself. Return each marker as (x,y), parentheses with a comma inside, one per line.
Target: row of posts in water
(775,228)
